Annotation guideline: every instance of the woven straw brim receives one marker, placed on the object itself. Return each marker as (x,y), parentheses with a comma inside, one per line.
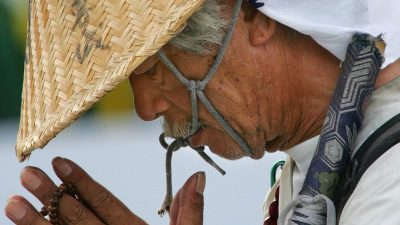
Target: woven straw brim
(79,50)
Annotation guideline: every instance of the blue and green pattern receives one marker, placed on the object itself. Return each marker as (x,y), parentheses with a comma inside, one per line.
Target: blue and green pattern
(344,119)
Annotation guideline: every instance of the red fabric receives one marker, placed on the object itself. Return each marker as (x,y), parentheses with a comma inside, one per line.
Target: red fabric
(273,210)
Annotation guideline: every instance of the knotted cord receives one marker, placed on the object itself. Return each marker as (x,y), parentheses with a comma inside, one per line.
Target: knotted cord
(196,88)
(174,146)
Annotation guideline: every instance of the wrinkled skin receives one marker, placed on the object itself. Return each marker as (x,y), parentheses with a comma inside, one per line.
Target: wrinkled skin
(259,89)
(273,90)
(186,209)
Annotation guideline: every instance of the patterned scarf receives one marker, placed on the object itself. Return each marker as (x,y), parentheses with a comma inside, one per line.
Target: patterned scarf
(314,205)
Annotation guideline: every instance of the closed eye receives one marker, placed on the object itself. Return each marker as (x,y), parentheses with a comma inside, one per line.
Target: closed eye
(148,67)
(151,71)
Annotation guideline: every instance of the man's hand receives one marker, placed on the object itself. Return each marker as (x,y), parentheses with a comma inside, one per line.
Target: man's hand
(99,206)
(188,204)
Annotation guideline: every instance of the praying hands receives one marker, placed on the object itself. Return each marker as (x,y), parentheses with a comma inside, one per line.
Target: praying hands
(96,205)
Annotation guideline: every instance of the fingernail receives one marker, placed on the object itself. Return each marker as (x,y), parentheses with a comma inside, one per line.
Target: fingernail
(62,166)
(15,210)
(200,182)
(30,179)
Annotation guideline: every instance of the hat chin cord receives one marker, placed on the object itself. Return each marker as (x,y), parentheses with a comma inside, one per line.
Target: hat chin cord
(196,88)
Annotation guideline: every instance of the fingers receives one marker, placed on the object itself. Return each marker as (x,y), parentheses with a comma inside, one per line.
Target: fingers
(188,205)
(105,205)
(39,184)
(71,211)
(21,212)
(174,210)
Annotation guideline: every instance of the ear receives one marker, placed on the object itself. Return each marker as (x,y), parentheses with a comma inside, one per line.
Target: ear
(261,29)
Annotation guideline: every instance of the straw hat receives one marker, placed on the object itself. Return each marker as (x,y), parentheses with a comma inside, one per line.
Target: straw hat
(79,50)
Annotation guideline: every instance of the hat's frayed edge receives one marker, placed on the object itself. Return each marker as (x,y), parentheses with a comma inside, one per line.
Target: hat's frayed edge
(77,106)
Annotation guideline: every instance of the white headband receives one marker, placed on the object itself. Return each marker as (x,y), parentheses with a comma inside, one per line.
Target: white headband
(333,23)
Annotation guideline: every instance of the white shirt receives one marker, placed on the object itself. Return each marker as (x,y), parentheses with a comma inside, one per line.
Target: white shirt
(376,198)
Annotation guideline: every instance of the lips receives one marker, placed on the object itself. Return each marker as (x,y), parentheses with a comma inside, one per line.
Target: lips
(196,138)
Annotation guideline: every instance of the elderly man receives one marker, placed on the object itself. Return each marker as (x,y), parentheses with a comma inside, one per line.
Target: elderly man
(271,92)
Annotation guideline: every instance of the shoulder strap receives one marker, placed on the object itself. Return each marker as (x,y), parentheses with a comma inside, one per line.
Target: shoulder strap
(376,145)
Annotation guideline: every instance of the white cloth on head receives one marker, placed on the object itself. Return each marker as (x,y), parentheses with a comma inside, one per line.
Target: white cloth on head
(333,23)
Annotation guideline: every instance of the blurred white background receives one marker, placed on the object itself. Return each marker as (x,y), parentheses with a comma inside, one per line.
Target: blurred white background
(124,155)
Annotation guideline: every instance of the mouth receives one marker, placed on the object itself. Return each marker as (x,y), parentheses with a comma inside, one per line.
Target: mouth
(196,139)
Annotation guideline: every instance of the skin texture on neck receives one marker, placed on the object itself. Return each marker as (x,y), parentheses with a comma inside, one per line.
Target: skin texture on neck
(387,74)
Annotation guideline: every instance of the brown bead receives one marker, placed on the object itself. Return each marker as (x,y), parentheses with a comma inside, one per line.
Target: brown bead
(53,201)
(57,197)
(52,211)
(54,221)
(43,212)
(53,215)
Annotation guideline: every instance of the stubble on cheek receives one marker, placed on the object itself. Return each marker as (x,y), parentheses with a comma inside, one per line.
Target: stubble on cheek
(176,130)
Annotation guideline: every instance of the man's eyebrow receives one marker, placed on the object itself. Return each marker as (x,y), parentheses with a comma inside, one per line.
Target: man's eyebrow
(140,73)
(151,70)
(151,61)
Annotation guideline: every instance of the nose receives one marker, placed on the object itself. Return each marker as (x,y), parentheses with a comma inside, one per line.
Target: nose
(148,99)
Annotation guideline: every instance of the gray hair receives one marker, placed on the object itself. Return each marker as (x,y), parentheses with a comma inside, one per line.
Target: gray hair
(204,31)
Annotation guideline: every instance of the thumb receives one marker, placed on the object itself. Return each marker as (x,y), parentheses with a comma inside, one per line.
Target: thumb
(191,200)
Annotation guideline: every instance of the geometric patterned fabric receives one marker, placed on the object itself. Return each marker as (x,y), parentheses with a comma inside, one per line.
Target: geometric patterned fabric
(344,119)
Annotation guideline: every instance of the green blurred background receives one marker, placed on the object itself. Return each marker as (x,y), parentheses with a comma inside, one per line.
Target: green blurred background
(13,20)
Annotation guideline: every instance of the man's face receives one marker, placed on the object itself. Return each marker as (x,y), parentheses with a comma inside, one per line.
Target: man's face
(234,91)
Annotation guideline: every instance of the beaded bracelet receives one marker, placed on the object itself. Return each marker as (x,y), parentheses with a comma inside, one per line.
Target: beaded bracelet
(53,210)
